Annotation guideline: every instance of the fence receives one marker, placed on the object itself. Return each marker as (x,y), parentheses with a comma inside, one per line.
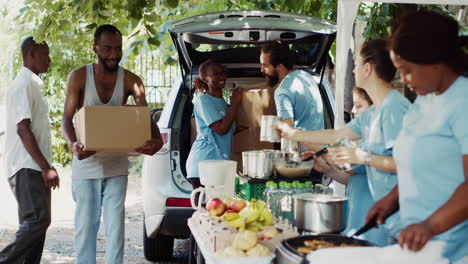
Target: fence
(157,77)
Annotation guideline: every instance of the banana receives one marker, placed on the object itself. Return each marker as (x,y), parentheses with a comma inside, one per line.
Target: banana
(230,217)
(254,226)
(261,204)
(251,216)
(254,217)
(267,217)
(239,223)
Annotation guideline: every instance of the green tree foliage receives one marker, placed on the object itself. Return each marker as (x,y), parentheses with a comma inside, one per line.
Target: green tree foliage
(379,17)
(8,44)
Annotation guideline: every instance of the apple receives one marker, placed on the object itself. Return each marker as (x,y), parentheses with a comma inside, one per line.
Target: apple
(216,207)
(237,205)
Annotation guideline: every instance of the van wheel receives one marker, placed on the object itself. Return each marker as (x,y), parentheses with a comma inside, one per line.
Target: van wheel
(158,248)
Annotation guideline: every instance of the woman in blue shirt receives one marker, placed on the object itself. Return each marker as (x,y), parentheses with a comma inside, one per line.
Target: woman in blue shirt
(377,127)
(431,152)
(214,120)
(357,188)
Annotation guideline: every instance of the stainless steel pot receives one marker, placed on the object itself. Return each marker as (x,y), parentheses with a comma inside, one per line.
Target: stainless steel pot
(320,213)
(258,163)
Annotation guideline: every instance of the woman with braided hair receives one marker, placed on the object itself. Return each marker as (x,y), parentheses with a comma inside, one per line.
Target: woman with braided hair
(214,120)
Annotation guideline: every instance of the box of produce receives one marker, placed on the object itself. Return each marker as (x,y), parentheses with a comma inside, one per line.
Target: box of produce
(224,220)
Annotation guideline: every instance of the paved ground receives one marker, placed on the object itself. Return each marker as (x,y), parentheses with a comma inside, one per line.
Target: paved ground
(59,242)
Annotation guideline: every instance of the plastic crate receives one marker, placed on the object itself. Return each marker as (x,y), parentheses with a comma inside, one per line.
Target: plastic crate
(248,188)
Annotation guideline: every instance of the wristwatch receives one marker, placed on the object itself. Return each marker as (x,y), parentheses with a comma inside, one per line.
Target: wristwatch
(367,158)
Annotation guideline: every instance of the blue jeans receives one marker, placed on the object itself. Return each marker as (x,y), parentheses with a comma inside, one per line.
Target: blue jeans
(90,195)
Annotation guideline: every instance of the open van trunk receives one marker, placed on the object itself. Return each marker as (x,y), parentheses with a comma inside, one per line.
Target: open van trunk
(234,39)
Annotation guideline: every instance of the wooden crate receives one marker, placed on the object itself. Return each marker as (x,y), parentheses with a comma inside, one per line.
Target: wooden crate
(221,236)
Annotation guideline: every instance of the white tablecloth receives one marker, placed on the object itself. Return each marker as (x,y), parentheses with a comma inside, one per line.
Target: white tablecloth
(431,253)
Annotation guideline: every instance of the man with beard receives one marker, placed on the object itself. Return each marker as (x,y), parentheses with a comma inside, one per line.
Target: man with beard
(297,98)
(100,183)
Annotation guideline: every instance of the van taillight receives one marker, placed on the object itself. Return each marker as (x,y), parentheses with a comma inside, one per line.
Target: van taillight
(178,202)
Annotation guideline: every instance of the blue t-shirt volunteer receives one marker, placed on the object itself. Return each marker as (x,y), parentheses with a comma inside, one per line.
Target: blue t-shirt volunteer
(379,128)
(359,203)
(298,97)
(209,145)
(429,156)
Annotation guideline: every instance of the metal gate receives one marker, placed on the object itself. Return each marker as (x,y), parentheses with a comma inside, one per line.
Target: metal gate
(156,76)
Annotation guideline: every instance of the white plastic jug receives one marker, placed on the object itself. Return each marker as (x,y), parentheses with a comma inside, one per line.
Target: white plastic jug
(215,172)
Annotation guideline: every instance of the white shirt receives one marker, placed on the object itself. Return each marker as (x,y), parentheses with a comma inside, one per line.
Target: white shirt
(25,101)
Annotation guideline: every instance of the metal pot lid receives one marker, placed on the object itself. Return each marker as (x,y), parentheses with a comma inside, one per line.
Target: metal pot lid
(320,198)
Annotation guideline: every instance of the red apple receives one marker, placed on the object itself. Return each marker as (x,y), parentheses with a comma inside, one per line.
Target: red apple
(237,205)
(216,207)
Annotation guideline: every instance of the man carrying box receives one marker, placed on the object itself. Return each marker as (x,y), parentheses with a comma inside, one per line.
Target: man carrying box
(28,155)
(101,181)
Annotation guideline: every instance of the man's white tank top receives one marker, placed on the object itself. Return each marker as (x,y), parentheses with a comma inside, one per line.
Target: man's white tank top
(100,167)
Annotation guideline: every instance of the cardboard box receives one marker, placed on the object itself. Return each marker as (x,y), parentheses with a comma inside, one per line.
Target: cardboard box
(113,129)
(255,103)
(257,100)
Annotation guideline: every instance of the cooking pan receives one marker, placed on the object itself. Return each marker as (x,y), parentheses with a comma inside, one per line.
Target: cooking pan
(293,243)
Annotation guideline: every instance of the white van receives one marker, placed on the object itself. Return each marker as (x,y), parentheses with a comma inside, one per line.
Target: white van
(234,39)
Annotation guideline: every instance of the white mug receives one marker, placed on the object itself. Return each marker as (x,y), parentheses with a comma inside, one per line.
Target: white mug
(267,132)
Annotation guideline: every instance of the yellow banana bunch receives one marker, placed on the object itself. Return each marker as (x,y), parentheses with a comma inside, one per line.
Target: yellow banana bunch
(266,217)
(254,217)
(261,204)
(254,226)
(229,217)
(238,223)
(251,216)
(251,213)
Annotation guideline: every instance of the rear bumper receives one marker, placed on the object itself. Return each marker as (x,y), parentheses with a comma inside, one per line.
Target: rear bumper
(173,223)
(152,224)
(157,187)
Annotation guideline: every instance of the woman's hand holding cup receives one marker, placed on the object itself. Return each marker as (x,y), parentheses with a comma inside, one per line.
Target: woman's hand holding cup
(285,130)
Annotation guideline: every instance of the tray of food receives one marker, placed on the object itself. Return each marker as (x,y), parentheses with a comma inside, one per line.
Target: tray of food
(306,244)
